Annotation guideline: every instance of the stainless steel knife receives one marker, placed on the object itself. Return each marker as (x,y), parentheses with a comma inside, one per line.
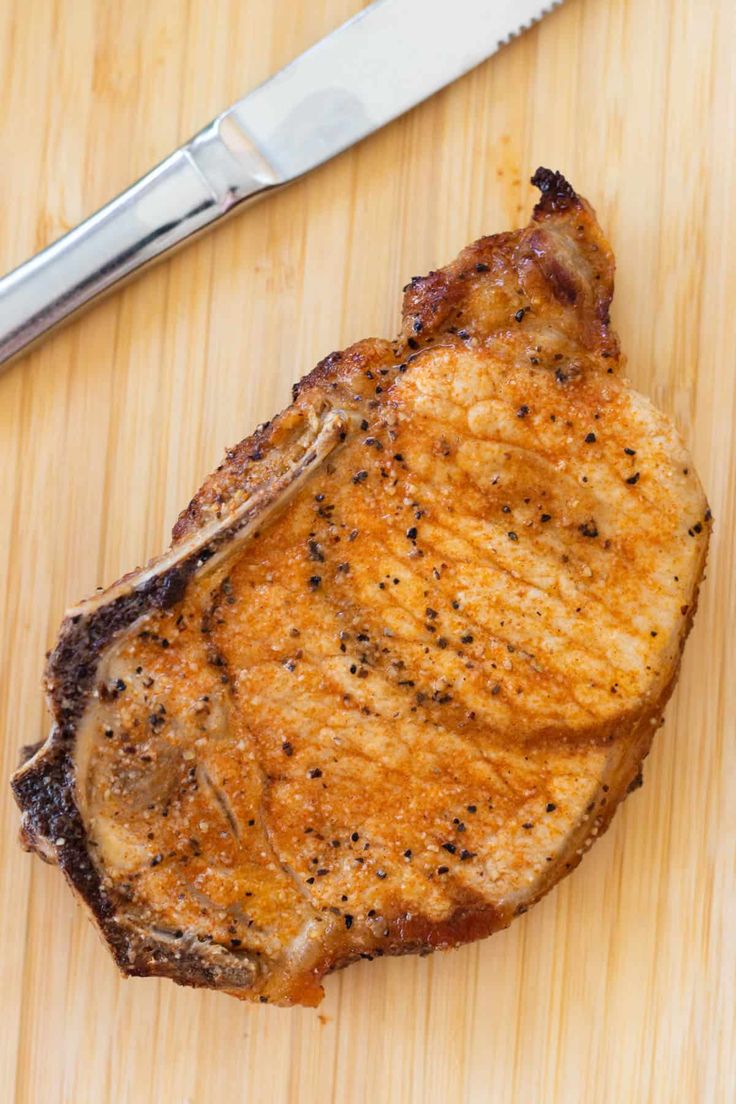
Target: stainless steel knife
(385,60)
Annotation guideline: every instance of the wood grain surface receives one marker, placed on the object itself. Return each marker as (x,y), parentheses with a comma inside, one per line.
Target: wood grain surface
(619,986)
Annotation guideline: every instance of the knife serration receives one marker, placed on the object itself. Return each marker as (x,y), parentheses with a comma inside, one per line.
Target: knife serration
(385,60)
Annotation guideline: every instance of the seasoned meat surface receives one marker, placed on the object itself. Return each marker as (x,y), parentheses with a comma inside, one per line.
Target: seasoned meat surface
(406,653)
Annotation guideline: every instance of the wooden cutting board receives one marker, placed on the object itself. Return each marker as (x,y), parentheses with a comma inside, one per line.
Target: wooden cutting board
(619,986)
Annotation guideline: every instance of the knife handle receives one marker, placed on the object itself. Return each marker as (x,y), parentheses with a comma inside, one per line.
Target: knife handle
(200,182)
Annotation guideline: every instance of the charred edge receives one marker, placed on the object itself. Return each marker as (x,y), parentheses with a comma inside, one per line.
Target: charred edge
(73,663)
(190,967)
(321,373)
(45,794)
(636,783)
(417,934)
(27,752)
(557,193)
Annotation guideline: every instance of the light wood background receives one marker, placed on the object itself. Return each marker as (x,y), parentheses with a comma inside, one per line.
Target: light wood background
(620,986)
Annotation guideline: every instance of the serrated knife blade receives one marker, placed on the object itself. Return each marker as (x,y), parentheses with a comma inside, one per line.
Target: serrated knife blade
(378,65)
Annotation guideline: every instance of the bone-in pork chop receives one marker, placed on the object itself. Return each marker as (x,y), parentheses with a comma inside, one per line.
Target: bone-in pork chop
(406,652)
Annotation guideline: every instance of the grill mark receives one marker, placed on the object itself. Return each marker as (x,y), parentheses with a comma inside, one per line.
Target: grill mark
(517,577)
(512,776)
(609,671)
(603,465)
(487,626)
(549,671)
(481,733)
(486,754)
(589,651)
(380,602)
(461,702)
(498,534)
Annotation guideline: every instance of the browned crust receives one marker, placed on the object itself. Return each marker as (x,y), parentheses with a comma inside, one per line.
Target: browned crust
(440,307)
(437,307)
(557,193)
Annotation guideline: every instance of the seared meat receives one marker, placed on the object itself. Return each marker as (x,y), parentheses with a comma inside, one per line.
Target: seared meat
(406,652)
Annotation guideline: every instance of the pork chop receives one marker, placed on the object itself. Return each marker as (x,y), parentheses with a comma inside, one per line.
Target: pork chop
(405,654)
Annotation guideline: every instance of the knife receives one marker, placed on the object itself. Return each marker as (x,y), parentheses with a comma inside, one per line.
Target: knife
(381,63)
